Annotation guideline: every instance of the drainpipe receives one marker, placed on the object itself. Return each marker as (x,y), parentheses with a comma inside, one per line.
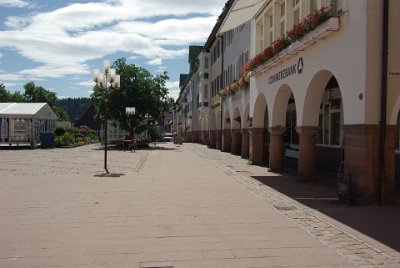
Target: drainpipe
(222,75)
(385,50)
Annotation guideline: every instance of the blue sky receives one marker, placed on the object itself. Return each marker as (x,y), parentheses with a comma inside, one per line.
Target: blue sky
(57,43)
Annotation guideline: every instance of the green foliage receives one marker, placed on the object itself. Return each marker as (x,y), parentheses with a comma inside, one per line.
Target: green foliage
(6,96)
(154,133)
(92,136)
(61,113)
(139,89)
(74,136)
(35,93)
(59,131)
(68,139)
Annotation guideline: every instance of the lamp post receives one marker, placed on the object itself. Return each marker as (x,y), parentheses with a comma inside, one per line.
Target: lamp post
(130,111)
(106,81)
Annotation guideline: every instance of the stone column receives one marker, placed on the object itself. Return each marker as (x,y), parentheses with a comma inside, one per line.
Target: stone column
(361,153)
(245,143)
(226,140)
(218,140)
(256,145)
(235,133)
(390,164)
(276,150)
(307,166)
(212,139)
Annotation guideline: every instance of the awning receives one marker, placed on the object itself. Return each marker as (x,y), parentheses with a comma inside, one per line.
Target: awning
(241,12)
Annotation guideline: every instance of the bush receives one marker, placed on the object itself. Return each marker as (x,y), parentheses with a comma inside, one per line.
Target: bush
(84,131)
(59,131)
(68,139)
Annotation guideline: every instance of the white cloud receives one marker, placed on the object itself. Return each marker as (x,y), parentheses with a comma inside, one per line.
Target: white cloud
(14,22)
(62,41)
(15,3)
(161,69)
(10,77)
(11,84)
(173,89)
(156,61)
(86,84)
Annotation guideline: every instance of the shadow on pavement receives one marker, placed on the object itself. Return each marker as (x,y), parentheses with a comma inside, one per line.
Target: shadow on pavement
(379,223)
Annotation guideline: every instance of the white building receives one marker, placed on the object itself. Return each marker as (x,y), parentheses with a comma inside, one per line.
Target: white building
(22,123)
(324,88)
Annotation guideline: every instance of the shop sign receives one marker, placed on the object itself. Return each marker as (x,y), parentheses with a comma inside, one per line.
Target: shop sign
(394,74)
(288,71)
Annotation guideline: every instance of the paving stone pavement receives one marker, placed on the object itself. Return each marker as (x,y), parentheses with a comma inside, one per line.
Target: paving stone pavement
(357,251)
(168,207)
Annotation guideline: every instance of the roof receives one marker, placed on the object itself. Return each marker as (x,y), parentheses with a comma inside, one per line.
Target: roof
(241,12)
(218,24)
(26,109)
(194,52)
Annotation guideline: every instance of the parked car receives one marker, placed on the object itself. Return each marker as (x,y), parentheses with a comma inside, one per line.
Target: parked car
(167,137)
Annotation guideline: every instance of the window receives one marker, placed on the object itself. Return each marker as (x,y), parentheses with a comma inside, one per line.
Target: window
(330,118)
(296,11)
(282,28)
(282,21)
(313,5)
(206,62)
(271,29)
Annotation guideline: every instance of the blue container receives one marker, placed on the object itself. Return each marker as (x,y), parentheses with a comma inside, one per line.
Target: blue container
(46,139)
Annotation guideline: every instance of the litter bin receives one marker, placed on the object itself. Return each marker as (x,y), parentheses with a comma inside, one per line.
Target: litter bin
(46,139)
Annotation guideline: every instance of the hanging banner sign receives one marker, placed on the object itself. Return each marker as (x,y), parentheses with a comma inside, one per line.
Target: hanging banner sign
(288,71)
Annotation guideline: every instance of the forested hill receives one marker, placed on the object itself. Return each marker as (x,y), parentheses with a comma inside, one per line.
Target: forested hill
(75,107)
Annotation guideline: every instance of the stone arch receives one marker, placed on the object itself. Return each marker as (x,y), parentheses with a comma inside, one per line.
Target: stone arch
(284,105)
(246,117)
(259,136)
(236,142)
(236,119)
(320,126)
(213,121)
(245,132)
(226,124)
(393,116)
(278,116)
(260,105)
(312,102)
(226,132)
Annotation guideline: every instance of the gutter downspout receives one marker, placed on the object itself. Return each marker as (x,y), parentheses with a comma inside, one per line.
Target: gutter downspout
(223,78)
(384,82)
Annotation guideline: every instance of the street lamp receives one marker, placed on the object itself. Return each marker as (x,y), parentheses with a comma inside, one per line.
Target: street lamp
(106,81)
(130,111)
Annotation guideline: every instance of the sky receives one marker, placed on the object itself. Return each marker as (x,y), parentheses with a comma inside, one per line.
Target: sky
(57,43)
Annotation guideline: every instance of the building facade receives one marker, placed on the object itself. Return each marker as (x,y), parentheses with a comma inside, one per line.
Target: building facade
(324,89)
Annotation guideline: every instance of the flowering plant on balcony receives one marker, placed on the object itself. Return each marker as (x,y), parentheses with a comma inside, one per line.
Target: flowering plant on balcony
(310,23)
(298,31)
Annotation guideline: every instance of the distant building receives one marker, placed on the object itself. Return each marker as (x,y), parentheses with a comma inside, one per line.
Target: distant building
(89,119)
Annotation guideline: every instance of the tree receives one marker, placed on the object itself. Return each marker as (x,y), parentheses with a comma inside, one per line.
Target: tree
(4,94)
(34,93)
(139,89)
